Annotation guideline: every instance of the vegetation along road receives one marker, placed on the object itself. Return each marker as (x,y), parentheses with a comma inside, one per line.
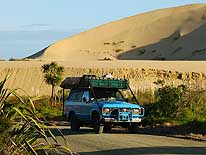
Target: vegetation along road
(119,142)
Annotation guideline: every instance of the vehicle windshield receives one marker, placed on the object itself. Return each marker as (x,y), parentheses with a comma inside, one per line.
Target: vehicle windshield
(108,94)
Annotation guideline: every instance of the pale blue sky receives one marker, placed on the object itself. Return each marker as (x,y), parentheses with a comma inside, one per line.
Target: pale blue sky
(27,26)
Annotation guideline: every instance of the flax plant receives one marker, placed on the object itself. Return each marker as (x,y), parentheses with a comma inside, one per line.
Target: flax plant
(21,131)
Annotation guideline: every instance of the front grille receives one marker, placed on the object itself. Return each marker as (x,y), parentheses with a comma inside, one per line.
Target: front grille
(120,115)
(114,112)
(123,118)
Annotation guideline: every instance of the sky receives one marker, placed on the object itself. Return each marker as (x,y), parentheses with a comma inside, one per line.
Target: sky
(27,26)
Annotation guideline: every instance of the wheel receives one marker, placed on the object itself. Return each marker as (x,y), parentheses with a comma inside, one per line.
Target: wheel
(99,129)
(133,128)
(75,123)
(107,128)
(96,123)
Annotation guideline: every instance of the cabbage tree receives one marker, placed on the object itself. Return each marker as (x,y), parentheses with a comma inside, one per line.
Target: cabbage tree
(53,75)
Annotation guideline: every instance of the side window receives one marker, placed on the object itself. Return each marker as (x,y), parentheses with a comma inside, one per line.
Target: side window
(119,96)
(76,95)
(86,96)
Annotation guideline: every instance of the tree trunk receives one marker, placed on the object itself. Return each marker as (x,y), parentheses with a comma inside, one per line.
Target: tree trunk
(63,102)
(52,96)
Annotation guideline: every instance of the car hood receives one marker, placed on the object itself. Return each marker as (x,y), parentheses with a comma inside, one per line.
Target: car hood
(117,104)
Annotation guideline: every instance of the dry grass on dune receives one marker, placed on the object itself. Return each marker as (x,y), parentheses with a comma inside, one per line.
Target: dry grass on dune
(28,75)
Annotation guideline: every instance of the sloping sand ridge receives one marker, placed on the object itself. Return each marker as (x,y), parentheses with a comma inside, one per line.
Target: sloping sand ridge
(167,34)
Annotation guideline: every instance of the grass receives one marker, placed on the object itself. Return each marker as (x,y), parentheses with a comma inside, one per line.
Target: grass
(44,108)
(146,97)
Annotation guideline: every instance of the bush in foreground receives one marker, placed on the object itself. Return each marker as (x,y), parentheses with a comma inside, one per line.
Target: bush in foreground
(21,129)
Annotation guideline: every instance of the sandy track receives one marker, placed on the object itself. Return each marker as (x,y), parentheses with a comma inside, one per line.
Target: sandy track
(121,143)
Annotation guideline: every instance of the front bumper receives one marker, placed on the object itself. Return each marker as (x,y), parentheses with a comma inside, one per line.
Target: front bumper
(134,120)
(117,115)
(122,117)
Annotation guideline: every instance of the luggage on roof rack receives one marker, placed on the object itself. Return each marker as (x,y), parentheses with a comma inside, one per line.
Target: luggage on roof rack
(92,81)
(109,83)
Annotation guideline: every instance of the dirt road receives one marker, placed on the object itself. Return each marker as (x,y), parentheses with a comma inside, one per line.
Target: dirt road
(119,142)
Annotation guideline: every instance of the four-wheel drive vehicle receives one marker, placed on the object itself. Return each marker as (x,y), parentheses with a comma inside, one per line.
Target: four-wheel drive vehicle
(99,102)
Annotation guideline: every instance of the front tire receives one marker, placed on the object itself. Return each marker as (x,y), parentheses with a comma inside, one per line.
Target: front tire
(107,128)
(97,125)
(133,128)
(75,123)
(99,129)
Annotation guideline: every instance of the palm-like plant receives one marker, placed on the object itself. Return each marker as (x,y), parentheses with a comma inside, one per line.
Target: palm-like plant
(21,129)
(53,76)
(5,123)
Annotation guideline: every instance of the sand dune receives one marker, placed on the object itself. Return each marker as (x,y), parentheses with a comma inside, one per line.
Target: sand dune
(190,46)
(134,46)
(166,34)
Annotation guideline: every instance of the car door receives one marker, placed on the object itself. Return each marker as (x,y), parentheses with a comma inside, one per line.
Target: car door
(74,101)
(87,105)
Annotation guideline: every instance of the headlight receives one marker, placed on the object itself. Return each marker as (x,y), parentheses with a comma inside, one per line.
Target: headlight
(136,111)
(106,110)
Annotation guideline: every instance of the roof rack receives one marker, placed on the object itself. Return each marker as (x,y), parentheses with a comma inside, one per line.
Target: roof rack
(87,81)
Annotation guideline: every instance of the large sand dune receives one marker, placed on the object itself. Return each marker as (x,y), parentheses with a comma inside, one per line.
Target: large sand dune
(167,34)
(134,44)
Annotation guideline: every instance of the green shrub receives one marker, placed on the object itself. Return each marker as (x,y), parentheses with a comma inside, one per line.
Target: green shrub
(141,51)
(45,110)
(177,105)
(133,46)
(107,59)
(14,59)
(193,107)
(119,50)
(169,99)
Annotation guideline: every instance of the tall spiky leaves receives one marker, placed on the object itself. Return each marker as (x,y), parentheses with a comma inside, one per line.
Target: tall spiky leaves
(21,129)
(5,123)
(53,76)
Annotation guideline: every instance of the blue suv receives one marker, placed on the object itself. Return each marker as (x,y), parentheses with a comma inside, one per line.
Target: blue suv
(99,102)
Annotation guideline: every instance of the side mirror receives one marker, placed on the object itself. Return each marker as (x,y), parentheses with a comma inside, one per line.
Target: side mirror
(85,99)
